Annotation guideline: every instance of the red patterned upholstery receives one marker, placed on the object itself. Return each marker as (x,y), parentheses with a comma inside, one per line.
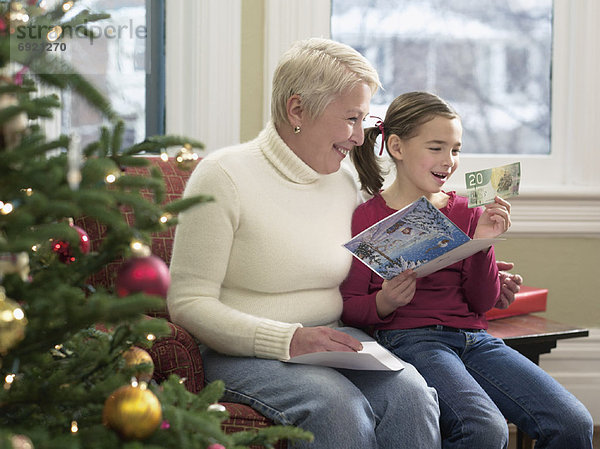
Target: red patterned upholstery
(177,353)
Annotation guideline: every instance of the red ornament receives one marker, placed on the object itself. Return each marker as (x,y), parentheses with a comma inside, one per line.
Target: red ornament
(63,249)
(143,274)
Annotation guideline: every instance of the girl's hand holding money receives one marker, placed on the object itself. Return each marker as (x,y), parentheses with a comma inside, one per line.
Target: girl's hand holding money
(494,221)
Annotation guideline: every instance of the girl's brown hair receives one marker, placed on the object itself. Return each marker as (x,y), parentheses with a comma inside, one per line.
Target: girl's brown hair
(404,116)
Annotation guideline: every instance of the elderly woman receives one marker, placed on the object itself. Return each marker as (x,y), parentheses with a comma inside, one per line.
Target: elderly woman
(256,273)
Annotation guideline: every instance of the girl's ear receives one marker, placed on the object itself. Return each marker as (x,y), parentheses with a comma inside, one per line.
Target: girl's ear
(395,147)
(294,110)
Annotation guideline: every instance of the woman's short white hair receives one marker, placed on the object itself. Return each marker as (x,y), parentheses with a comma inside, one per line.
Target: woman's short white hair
(318,70)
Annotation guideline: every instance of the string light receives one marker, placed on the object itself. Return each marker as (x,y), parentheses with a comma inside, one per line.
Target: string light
(18,314)
(139,248)
(150,337)
(74,427)
(9,315)
(8,380)
(164,156)
(67,5)
(164,218)
(6,208)
(54,34)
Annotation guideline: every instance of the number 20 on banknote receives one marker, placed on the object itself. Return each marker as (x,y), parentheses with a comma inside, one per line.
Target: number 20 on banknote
(484,185)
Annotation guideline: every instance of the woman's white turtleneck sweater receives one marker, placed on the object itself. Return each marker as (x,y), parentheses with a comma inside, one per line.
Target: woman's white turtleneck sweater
(266,256)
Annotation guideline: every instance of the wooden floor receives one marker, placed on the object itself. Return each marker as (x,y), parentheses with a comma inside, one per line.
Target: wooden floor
(512,444)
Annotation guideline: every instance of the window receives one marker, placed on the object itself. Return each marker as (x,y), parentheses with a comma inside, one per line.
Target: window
(124,59)
(560,192)
(490,59)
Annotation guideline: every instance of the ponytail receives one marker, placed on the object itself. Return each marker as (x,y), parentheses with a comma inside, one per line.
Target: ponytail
(365,161)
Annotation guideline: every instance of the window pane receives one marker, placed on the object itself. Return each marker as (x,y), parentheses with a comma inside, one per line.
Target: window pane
(491,59)
(115,62)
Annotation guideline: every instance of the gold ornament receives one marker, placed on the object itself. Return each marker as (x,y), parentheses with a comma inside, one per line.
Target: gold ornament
(21,442)
(134,412)
(186,157)
(12,323)
(135,356)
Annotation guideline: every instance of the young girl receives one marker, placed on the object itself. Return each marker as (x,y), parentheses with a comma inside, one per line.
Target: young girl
(437,323)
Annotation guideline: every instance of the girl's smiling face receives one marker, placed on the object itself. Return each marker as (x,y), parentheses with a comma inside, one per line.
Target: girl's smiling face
(428,159)
(326,140)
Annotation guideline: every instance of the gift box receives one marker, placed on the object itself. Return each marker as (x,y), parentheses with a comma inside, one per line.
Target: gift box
(528,300)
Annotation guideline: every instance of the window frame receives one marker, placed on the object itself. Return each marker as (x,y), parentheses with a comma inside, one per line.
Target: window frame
(560,193)
(155,61)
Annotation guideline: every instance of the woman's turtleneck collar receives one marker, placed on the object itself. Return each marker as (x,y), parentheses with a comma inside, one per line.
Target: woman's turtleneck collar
(284,159)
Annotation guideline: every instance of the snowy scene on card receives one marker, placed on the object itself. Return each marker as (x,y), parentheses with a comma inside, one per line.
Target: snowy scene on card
(407,239)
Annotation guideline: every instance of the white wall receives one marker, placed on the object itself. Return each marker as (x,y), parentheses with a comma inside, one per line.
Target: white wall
(575,363)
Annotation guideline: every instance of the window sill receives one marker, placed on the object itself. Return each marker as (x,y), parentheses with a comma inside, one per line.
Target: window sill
(553,212)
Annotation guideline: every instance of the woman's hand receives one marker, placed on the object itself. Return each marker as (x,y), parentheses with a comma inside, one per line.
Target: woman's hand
(396,292)
(511,284)
(321,339)
(494,221)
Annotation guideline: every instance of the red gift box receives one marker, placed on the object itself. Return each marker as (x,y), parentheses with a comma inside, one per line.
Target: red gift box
(528,300)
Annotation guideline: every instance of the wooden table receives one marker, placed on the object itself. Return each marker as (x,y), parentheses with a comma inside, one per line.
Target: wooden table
(532,335)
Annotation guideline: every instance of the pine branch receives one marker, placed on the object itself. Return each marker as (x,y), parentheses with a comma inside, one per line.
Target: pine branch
(154,144)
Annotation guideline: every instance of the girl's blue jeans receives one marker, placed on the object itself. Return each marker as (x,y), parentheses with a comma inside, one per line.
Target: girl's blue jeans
(481,382)
(344,409)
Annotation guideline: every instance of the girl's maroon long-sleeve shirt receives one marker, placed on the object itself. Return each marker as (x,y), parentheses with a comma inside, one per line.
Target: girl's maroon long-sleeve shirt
(456,296)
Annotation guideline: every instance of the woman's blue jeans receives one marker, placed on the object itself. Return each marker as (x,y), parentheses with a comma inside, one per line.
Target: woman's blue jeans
(480,381)
(344,409)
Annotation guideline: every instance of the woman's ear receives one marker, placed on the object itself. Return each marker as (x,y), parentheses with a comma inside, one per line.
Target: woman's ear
(395,146)
(294,110)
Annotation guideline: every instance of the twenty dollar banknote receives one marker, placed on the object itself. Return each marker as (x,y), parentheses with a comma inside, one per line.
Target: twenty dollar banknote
(484,185)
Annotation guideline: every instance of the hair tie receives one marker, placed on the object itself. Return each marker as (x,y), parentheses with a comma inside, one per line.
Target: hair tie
(379,124)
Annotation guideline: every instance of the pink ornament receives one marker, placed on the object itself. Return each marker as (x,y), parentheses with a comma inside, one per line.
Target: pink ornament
(84,240)
(165,425)
(143,274)
(216,446)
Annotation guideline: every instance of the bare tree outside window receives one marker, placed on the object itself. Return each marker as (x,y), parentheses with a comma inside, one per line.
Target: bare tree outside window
(491,59)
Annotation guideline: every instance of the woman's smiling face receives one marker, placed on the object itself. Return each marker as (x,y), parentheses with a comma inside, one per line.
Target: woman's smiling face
(326,140)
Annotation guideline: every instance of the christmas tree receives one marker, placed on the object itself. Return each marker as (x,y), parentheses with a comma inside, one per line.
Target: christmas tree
(73,370)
